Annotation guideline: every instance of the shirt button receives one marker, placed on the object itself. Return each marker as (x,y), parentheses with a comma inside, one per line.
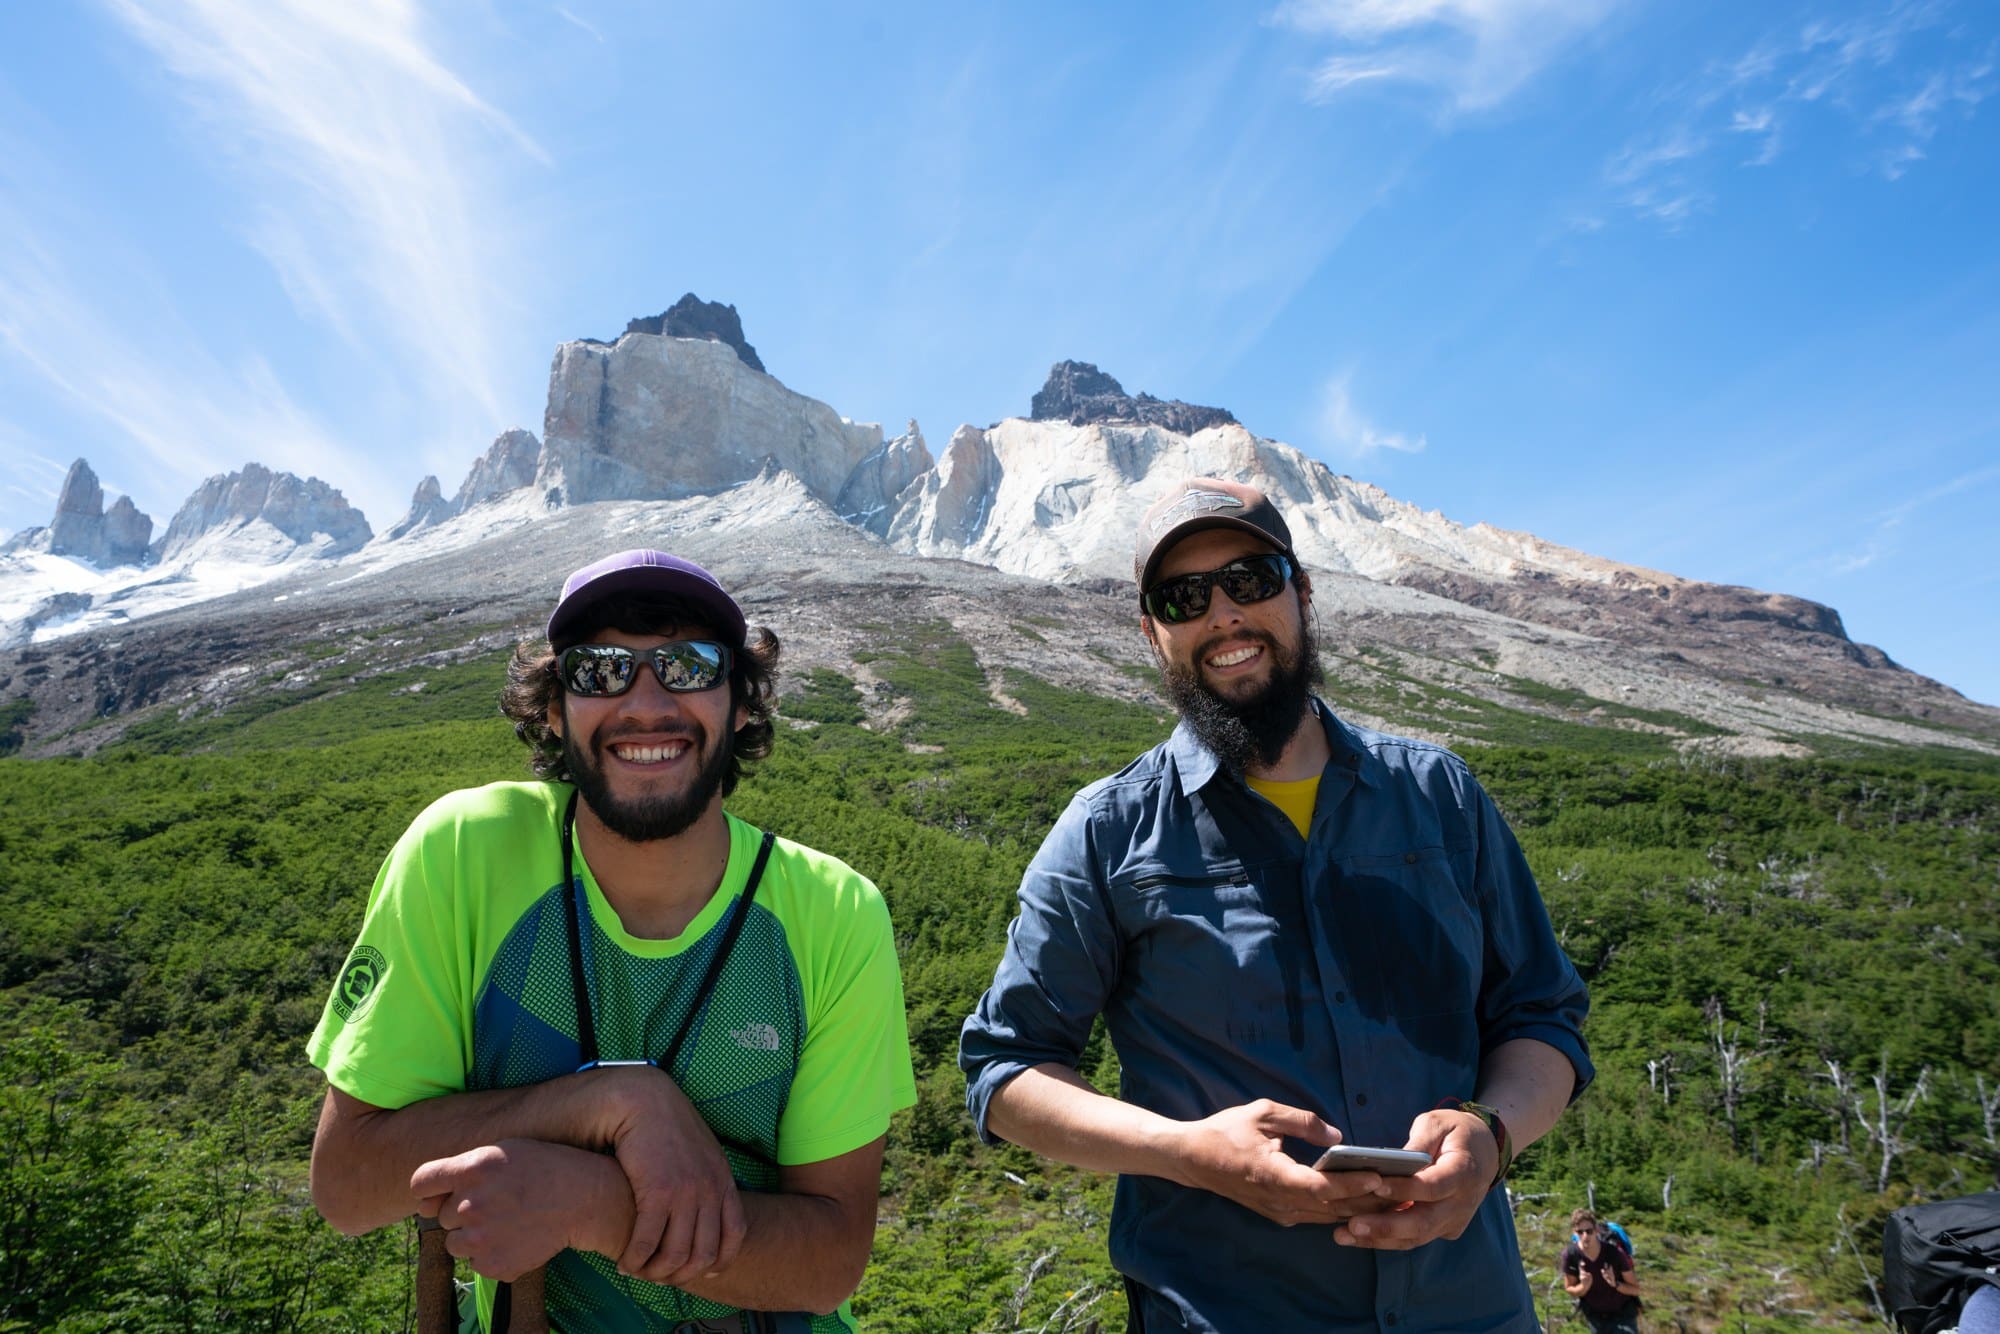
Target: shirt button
(1389,1319)
(1361,1100)
(1409,859)
(1340,998)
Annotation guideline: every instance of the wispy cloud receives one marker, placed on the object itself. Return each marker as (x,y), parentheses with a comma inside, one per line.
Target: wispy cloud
(188,415)
(1892,78)
(367,158)
(1351,436)
(570,17)
(1474,53)
(1881,540)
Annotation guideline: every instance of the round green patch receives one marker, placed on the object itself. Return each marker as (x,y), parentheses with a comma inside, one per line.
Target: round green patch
(358,981)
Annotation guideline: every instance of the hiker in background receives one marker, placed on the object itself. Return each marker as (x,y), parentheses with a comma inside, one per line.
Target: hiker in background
(603,959)
(1598,1273)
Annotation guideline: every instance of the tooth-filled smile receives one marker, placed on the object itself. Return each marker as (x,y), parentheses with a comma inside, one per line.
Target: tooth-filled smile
(1240,654)
(655,752)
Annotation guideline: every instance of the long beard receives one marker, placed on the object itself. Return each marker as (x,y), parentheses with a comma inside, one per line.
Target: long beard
(1251,732)
(645,819)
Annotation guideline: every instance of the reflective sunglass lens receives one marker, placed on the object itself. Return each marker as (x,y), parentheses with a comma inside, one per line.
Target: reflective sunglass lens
(597,670)
(1251,579)
(600,670)
(696,665)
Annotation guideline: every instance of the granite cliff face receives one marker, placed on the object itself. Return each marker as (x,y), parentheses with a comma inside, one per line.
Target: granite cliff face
(84,529)
(507,466)
(653,417)
(868,498)
(305,512)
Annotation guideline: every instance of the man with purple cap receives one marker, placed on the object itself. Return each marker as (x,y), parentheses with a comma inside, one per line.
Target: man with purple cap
(1300,933)
(594,1022)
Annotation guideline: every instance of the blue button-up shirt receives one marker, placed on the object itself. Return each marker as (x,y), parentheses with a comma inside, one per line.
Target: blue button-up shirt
(1361,972)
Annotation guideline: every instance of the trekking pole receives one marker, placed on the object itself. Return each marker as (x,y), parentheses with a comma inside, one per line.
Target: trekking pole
(437,1293)
(520,1307)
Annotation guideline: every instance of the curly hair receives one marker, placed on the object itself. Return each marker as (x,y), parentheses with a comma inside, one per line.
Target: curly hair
(534,686)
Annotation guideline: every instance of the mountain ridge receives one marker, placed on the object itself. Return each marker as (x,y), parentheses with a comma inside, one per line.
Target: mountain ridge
(664,422)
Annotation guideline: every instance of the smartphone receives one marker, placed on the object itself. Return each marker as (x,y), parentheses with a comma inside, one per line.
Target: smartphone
(1389,1162)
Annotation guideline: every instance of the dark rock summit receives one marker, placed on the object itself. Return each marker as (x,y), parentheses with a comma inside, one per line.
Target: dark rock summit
(1079,393)
(691,317)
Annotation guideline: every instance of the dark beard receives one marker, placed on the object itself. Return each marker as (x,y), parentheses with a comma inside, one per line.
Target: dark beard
(1252,731)
(647,819)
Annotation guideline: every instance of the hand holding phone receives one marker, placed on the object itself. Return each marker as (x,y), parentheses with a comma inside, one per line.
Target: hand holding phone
(1356,1158)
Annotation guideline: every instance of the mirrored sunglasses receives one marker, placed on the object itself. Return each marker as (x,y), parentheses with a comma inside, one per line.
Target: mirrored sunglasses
(603,670)
(1185,596)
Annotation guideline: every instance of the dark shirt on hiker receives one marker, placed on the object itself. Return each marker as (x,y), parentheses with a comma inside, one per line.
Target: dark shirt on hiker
(1602,1295)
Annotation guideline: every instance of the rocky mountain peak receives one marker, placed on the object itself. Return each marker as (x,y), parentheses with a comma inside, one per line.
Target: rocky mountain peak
(658,418)
(691,317)
(82,528)
(302,510)
(1079,393)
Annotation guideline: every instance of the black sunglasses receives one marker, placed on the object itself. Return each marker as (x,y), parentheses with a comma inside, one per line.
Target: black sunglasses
(1185,596)
(603,670)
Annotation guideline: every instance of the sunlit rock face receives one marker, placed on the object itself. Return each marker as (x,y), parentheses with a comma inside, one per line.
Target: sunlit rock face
(868,498)
(83,529)
(652,417)
(304,511)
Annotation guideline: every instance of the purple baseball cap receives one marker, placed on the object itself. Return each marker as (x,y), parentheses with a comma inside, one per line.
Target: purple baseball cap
(644,572)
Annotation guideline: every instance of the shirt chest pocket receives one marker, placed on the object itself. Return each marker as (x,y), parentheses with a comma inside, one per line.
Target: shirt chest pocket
(1409,941)
(1222,952)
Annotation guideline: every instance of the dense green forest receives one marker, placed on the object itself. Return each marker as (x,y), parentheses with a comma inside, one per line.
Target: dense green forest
(1795,969)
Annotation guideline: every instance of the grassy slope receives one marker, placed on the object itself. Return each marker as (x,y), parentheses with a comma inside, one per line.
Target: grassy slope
(175,908)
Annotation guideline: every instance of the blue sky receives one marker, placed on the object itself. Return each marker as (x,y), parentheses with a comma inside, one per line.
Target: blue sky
(1712,288)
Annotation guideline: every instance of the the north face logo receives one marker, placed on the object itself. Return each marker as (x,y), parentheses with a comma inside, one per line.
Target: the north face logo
(756,1037)
(1192,504)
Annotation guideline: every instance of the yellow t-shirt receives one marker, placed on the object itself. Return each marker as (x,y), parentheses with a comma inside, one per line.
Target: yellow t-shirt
(1294,799)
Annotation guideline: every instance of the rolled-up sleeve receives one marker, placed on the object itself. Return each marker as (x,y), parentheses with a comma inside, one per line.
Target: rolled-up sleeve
(1060,964)
(1530,989)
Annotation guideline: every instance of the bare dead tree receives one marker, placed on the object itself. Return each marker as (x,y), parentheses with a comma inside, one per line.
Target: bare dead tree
(1843,1098)
(1072,1314)
(1018,1300)
(1884,1124)
(1731,1063)
(1874,1293)
(1660,1078)
(1989,1112)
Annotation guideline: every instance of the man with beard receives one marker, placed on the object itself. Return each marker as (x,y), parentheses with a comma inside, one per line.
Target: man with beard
(1300,933)
(596,1022)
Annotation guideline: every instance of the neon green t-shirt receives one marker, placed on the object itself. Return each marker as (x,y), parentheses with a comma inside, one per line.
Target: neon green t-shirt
(460,980)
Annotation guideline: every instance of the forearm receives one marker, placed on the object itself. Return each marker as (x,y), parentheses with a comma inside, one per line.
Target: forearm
(363,1156)
(1529,1083)
(1053,1111)
(800,1253)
